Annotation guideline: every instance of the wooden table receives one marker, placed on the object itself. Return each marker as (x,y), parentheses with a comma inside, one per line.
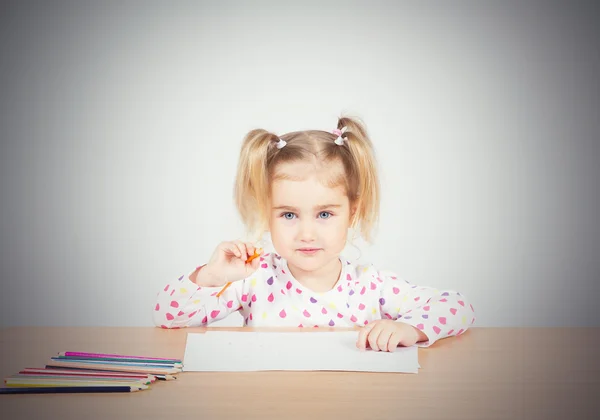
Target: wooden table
(487,373)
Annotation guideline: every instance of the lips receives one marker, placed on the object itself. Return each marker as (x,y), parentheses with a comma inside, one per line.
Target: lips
(309,251)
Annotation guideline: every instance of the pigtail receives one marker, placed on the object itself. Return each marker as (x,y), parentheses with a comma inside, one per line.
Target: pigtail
(251,185)
(367,190)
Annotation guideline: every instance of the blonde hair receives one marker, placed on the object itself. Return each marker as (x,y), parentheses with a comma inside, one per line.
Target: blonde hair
(259,157)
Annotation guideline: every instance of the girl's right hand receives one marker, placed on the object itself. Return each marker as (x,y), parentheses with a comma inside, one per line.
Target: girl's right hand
(228,264)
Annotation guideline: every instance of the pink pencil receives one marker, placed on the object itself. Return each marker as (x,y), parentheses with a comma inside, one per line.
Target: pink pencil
(120,356)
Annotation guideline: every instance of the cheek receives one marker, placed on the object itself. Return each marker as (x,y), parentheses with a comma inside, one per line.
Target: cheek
(335,230)
(280,229)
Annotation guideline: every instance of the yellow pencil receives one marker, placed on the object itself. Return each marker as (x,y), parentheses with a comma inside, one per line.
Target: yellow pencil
(257,253)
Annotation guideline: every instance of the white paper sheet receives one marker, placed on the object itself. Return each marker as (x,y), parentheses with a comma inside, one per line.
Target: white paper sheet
(219,351)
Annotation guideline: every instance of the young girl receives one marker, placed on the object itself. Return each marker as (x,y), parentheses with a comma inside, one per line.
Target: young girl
(308,188)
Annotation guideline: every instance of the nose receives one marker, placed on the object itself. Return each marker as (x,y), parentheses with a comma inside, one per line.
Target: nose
(307,231)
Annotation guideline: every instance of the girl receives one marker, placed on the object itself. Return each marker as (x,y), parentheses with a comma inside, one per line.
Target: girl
(308,188)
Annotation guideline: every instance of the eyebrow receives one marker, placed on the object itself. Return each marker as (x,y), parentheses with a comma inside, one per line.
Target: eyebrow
(324,206)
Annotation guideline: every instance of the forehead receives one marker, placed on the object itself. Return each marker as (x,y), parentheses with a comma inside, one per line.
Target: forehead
(305,185)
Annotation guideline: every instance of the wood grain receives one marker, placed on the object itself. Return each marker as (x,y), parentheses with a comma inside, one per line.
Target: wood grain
(487,373)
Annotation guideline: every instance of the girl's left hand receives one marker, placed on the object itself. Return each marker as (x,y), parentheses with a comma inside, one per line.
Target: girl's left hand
(386,335)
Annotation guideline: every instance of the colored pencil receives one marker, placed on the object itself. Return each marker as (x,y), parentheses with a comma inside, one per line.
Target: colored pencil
(166,377)
(95,369)
(71,389)
(50,378)
(100,355)
(85,374)
(51,383)
(120,360)
(112,367)
(257,253)
(117,363)
(113,356)
(80,377)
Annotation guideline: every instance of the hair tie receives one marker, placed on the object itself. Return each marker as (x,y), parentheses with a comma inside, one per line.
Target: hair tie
(281,144)
(340,140)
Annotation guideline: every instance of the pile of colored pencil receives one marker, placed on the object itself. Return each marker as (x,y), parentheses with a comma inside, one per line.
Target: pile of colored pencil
(73,372)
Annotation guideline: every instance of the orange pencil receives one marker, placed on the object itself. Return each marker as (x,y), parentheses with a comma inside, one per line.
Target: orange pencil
(257,253)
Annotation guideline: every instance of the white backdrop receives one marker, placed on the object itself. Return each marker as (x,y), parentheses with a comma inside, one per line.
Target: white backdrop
(120,128)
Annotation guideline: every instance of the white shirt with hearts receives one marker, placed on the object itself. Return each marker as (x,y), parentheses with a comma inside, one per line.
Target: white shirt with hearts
(273,297)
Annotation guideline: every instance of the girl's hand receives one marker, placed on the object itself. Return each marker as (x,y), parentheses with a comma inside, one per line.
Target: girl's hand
(386,335)
(228,264)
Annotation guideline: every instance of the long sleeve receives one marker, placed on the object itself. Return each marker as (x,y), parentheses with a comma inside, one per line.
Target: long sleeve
(182,303)
(439,314)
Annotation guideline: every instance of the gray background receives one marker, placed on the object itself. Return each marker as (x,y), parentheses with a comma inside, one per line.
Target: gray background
(120,124)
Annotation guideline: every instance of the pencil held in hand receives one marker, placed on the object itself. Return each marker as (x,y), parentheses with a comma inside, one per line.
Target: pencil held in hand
(257,253)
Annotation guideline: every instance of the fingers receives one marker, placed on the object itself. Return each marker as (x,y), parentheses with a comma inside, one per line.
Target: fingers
(257,252)
(379,336)
(384,339)
(250,249)
(361,343)
(230,248)
(394,341)
(239,249)
(252,266)
(243,254)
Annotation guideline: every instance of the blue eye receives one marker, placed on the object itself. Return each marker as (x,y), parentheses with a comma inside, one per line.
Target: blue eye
(326,214)
(285,216)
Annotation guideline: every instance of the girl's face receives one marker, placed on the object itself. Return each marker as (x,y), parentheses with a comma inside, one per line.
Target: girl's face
(309,221)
